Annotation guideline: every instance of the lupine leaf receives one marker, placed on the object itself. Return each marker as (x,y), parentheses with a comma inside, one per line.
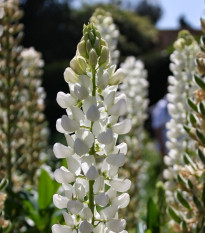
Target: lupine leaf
(200,82)
(181,179)
(152,217)
(3,184)
(45,189)
(188,160)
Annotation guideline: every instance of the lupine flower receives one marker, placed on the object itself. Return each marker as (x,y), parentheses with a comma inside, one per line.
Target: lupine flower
(34,125)
(10,107)
(105,25)
(180,145)
(135,88)
(188,213)
(180,87)
(93,193)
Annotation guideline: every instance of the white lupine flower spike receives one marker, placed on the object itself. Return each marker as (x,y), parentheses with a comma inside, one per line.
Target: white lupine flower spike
(91,128)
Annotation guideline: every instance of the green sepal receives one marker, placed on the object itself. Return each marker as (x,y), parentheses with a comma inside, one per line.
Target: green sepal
(181,179)
(201,156)
(197,203)
(199,82)
(201,109)
(192,119)
(192,105)
(200,136)
(182,200)
(174,215)
(188,161)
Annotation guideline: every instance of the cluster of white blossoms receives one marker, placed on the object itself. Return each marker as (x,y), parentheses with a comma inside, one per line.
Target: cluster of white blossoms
(135,87)
(181,86)
(10,106)
(93,191)
(105,25)
(34,124)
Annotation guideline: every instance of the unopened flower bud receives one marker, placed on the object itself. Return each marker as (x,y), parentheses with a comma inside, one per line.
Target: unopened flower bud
(117,77)
(82,49)
(104,57)
(93,58)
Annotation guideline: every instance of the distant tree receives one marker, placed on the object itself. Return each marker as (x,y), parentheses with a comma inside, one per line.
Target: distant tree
(145,8)
(183,24)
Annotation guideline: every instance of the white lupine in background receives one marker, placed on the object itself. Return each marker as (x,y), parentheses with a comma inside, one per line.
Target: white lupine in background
(34,124)
(181,86)
(104,22)
(93,193)
(135,87)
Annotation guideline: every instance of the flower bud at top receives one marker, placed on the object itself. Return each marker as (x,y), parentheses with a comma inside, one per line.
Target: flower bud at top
(75,66)
(82,49)
(93,58)
(104,58)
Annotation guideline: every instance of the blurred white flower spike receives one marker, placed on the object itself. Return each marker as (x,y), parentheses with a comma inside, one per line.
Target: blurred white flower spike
(93,191)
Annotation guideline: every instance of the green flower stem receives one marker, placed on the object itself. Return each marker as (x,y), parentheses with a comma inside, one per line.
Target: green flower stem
(91,198)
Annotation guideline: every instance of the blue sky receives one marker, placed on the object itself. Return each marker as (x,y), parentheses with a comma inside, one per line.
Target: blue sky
(172,10)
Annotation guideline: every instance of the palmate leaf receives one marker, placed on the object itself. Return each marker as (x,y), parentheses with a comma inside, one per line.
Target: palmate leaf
(46,188)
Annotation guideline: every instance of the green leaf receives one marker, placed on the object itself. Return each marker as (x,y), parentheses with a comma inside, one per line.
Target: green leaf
(153,222)
(45,189)
(182,200)
(200,82)
(3,183)
(201,156)
(200,136)
(192,105)
(174,215)
(201,109)
(191,186)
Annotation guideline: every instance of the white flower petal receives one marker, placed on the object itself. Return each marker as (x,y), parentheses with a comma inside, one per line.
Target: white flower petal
(92,173)
(80,191)
(59,201)
(109,212)
(59,127)
(109,99)
(61,151)
(100,228)
(117,160)
(77,114)
(86,213)
(80,147)
(101,199)
(68,190)
(87,162)
(62,175)
(68,219)
(70,76)
(74,206)
(69,125)
(65,100)
(122,201)
(117,77)
(98,185)
(116,225)
(103,80)
(80,92)
(57,228)
(86,227)
(118,109)
(122,127)
(93,113)
(73,165)
(120,185)
(106,137)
